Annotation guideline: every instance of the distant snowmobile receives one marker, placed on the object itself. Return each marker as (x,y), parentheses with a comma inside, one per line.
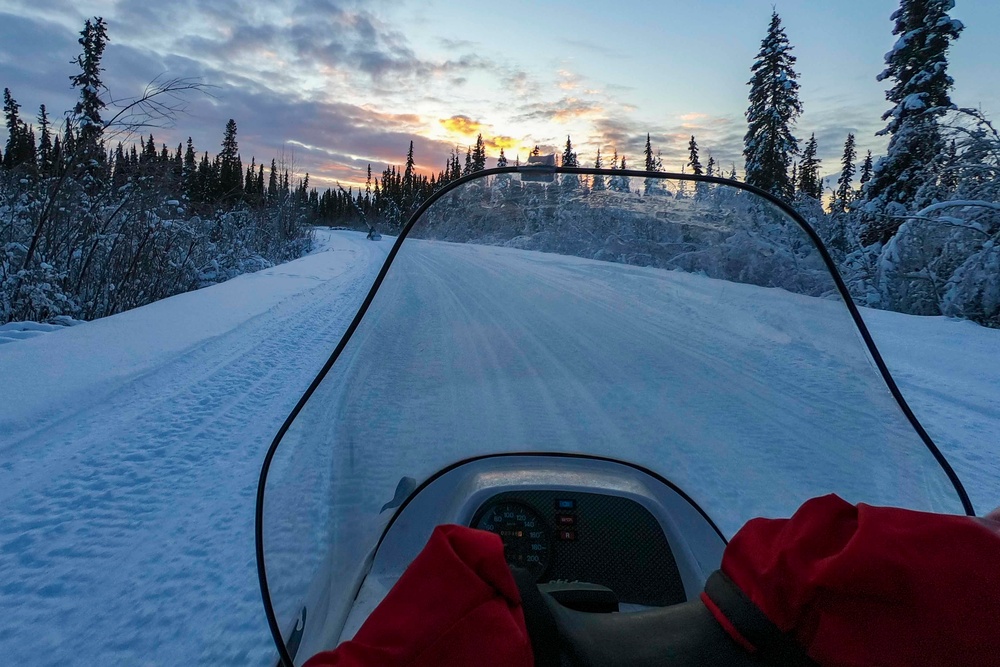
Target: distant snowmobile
(612,385)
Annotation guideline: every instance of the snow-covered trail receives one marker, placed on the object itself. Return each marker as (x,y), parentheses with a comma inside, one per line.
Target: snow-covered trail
(949,372)
(130,446)
(127,532)
(751,399)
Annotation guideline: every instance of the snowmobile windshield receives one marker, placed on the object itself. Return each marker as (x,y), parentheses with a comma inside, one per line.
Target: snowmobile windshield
(691,327)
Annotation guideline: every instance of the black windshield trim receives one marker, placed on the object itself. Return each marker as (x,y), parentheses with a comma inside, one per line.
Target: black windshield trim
(285,659)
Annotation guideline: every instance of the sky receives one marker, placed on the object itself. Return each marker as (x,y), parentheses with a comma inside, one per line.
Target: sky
(331,86)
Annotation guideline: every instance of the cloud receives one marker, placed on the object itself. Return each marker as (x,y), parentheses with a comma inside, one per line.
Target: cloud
(568,80)
(502,142)
(461,125)
(560,111)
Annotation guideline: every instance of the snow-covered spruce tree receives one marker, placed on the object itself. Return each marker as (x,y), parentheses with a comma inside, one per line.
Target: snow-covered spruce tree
(917,64)
(230,166)
(44,142)
(598,183)
(502,160)
(478,156)
(845,193)
(622,183)
(809,183)
(648,154)
(865,175)
(652,163)
(693,160)
(89,151)
(409,177)
(569,159)
(20,148)
(774,106)
(943,259)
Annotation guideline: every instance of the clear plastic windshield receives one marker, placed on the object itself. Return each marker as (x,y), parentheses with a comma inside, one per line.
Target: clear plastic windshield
(689,328)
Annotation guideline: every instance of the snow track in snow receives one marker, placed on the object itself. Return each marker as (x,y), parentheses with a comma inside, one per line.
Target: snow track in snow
(130,447)
(130,523)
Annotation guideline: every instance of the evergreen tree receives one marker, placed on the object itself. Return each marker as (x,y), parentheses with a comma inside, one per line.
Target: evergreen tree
(11,110)
(693,161)
(648,154)
(148,156)
(621,183)
(568,156)
(368,190)
(774,106)
(44,142)
(409,174)
(917,65)
(190,169)
(569,159)
(478,156)
(842,197)
(272,183)
(710,167)
(250,182)
(810,184)
(120,175)
(230,167)
(467,169)
(598,178)
(866,171)
(87,112)
(69,139)
(502,160)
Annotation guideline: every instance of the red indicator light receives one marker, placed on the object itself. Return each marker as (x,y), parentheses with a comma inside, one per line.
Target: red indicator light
(567,535)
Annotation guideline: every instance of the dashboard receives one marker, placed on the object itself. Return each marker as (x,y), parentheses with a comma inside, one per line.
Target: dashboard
(570,536)
(565,518)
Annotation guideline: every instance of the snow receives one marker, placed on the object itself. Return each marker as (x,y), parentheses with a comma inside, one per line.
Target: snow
(129,452)
(129,468)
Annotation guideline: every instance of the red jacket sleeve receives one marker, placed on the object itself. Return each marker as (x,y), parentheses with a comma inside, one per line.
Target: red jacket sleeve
(457,604)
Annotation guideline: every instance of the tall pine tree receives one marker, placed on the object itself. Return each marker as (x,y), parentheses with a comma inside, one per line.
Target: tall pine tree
(230,166)
(479,154)
(774,106)
(647,152)
(918,66)
(693,160)
(44,142)
(598,183)
(866,171)
(810,184)
(844,194)
(87,112)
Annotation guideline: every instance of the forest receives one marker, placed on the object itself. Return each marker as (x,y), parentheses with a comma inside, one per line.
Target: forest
(96,218)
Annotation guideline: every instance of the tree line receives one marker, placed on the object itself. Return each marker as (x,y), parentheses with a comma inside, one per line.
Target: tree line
(914,230)
(88,231)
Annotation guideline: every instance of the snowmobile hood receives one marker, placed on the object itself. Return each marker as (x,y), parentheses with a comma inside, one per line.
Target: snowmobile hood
(691,326)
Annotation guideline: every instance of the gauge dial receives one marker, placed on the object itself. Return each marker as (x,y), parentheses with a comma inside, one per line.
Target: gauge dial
(525,536)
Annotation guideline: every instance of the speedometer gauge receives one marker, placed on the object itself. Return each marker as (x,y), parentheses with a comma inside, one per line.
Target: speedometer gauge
(525,536)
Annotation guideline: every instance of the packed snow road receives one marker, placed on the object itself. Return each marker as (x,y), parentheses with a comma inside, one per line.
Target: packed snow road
(130,447)
(751,399)
(127,531)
